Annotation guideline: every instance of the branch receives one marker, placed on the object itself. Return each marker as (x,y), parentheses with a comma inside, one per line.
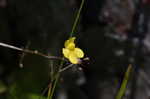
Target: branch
(35,52)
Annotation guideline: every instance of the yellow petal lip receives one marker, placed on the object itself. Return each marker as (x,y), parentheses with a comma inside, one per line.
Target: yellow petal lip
(79,53)
(66,52)
(66,43)
(73,58)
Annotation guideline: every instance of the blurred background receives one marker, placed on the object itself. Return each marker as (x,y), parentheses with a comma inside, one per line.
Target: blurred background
(112,33)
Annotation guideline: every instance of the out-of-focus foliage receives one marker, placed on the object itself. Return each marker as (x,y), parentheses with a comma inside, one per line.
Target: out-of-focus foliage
(3,87)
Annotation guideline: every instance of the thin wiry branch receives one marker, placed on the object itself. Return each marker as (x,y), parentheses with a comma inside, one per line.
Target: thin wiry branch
(10,46)
(23,55)
(35,52)
(67,67)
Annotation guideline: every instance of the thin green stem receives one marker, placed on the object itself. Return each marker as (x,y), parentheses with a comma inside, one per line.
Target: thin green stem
(77,19)
(124,83)
(56,80)
(66,68)
(49,90)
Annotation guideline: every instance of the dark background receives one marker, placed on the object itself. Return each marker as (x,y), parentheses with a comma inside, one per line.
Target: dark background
(44,25)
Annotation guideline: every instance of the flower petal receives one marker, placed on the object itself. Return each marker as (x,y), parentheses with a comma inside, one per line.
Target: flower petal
(79,53)
(70,40)
(66,52)
(66,43)
(73,58)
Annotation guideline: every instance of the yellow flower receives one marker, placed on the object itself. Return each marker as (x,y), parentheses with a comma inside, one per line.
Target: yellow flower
(71,52)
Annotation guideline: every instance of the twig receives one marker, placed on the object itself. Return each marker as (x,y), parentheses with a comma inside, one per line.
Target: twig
(67,67)
(35,52)
(22,56)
